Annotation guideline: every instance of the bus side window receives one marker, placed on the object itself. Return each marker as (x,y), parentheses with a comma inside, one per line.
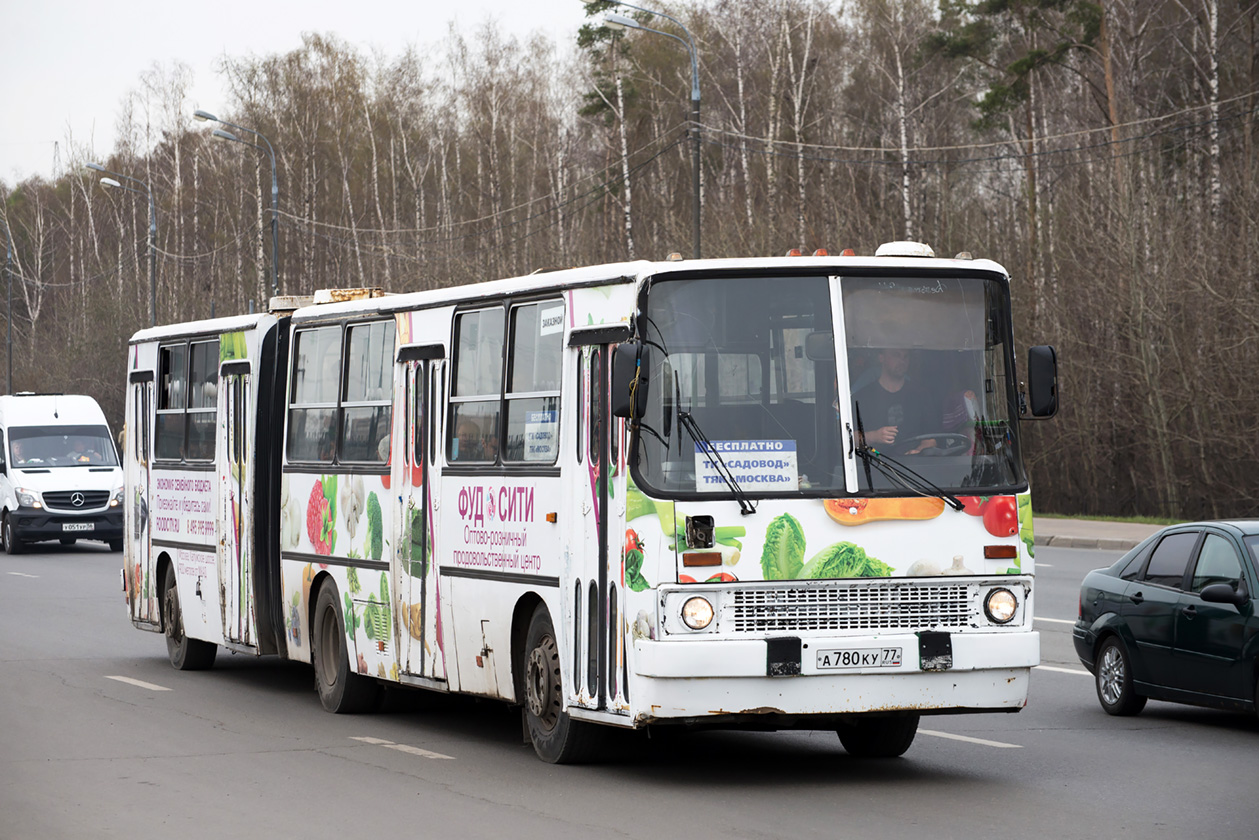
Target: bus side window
(367,404)
(313,397)
(476,387)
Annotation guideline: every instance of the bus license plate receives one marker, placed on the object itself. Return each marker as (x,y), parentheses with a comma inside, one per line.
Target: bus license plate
(78,526)
(834,658)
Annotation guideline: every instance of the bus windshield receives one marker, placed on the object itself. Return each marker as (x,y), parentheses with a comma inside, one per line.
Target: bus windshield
(61,446)
(752,366)
(929,371)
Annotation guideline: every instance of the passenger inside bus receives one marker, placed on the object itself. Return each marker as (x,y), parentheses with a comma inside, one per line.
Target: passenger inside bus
(467,446)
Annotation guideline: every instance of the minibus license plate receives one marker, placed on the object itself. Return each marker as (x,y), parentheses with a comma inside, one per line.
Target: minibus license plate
(833,658)
(78,526)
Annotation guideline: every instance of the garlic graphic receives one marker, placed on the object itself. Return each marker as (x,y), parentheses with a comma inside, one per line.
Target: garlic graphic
(957,568)
(352,500)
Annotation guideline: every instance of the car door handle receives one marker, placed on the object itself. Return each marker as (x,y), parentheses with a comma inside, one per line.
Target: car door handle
(1136,597)
(1190,611)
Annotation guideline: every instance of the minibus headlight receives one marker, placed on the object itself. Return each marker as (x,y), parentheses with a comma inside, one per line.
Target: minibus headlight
(117,499)
(697,613)
(1000,606)
(27,498)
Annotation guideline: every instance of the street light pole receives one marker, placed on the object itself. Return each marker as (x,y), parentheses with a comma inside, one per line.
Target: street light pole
(148,193)
(206,116)
(8,273)
(615,21)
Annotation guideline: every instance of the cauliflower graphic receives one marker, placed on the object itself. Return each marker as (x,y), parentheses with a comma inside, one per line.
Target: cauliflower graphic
(352,502)
(290,517)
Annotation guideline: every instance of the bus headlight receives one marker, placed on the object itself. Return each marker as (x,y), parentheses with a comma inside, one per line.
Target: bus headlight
(697,613)
(27,498)
(1000,606)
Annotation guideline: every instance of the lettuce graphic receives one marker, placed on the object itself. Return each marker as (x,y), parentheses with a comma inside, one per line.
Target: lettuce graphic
(783,554)
(844,560)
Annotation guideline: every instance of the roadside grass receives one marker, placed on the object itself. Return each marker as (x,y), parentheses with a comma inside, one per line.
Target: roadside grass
(1141,520)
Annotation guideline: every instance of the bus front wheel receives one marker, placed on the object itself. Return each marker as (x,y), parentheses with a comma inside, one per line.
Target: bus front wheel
(886,737)
(556,737)
(341,689)
(185,654)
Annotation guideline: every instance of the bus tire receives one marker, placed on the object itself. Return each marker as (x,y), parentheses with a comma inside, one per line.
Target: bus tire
(341,689)
(185,654)
(115,545)
(882,737)
(12,545)
(68,540)
(556,737)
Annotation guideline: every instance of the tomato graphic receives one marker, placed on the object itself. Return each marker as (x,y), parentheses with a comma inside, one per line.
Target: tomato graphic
(685,579)
(722,577)
(1001,516)
(974,504)
(632,542)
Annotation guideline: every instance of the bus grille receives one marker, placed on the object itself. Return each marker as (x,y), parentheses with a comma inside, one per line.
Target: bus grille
(885,605)
(63,499)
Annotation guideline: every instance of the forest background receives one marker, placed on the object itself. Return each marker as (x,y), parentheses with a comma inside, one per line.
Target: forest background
(1104,152)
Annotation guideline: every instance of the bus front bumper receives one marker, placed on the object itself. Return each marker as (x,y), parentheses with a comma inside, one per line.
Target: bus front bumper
(703,681)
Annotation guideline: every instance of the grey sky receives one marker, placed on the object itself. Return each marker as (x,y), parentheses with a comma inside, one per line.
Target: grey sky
(66,65)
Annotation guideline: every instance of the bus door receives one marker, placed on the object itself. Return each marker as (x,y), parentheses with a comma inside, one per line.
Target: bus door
(235,515)
(417,582)
(599,598)
(138,459)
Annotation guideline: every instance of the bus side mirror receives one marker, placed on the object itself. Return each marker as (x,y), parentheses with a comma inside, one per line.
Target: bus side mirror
(630,364)
(1042,381)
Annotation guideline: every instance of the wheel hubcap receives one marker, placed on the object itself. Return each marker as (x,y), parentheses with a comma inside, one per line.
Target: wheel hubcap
(174,621)
(1110,676)
(328,650)
(542,682)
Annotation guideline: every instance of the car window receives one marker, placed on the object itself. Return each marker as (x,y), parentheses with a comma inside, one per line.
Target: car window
(1132,569)
(1217,563)
(1168,562)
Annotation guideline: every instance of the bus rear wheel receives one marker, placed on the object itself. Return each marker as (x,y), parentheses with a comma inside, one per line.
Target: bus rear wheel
(886,737)
(341,689)
(185,654)
(556,737)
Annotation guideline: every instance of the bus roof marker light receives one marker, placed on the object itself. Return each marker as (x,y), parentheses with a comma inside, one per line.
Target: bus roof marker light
(676,256)
(848,252)
(821,252)
(963,255)
(904,249)
(794,252)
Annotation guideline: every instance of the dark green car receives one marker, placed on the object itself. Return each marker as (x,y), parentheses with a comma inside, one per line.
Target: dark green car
(1175,619)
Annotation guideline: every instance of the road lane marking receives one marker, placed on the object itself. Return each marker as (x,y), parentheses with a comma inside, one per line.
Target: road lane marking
(1044,565)
(1054,620)
(138,683)
(406,748)
(1063,670)
(981,741)
(23,574)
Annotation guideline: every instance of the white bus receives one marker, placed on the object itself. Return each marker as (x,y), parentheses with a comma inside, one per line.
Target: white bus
(779,493)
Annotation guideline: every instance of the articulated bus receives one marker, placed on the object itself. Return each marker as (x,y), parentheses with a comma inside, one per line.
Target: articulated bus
(780,493)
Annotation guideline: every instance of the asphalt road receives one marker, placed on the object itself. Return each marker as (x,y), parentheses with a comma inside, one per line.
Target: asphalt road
(100,737)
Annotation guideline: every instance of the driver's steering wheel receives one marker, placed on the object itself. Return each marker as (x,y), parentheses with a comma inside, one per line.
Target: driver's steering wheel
(947,443)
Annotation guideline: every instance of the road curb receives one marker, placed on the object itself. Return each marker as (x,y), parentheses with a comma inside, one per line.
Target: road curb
(1103,543)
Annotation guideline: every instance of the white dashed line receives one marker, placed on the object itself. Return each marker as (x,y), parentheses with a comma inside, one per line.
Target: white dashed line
(23,574)
(138,683)
(981,741)
(1054,620)
(406,748)
(1063,670)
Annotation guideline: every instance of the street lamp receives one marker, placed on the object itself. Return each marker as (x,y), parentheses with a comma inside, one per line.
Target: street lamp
(615,21)
(145,191)
(206,116)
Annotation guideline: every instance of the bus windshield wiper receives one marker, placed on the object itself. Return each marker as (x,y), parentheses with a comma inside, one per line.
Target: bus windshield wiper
(686,421)
(898,473)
